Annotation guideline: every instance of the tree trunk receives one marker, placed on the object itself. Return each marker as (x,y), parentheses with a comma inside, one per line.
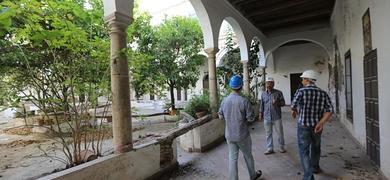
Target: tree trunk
(172,97)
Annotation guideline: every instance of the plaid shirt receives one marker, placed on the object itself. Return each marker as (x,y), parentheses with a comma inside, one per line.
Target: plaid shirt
(312,103)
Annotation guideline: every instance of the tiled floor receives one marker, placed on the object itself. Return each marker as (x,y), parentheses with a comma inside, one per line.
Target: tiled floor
(341,157)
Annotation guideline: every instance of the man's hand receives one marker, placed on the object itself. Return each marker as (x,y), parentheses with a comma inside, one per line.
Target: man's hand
(261,117)
(325,118)
(294,113)
(318,127)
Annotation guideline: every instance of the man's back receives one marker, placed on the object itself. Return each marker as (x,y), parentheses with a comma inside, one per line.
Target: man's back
(312,103)
(236,111)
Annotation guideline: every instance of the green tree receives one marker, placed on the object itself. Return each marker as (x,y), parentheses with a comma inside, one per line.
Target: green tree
(142,64)
(178,43)
(54,54)
(231,62)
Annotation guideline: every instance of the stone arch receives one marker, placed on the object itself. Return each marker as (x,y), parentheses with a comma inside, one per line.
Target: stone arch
(242,43)
(210,26)
(286,69)
(272,49)
(322,37)
(298,39)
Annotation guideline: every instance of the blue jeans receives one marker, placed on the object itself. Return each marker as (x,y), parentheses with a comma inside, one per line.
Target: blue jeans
(246,148)
(268,126)
(309,144)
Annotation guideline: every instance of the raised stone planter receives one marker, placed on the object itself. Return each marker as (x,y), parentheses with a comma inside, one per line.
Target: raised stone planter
(144,162)
(204,137)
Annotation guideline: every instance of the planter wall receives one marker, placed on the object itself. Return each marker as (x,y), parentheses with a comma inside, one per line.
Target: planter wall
(204,137)
(143,163)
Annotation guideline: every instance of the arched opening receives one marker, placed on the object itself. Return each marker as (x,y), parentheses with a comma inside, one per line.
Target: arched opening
(286,62)
(257,63)
(228,58)
(205,83)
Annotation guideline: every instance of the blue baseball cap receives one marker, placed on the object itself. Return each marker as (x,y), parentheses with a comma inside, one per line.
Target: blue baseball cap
(235,82)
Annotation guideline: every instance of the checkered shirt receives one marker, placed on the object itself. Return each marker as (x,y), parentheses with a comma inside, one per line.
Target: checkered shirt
(312,103)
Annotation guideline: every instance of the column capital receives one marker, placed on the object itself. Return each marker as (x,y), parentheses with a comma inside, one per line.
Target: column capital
(244,62)
(118,20)
(212,50)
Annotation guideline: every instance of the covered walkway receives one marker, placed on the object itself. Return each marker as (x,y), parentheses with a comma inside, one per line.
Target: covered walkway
(341,157)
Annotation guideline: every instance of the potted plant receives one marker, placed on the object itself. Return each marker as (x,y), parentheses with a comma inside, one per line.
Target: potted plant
(198,106)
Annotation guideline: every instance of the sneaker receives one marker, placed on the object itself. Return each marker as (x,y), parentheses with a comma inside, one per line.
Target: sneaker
(258,174)
(316,170)
(269,151)
(282,150)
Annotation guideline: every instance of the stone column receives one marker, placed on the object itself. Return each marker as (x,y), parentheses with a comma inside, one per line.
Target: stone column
(120,87)
(263,78)
(246,76)
(211,52)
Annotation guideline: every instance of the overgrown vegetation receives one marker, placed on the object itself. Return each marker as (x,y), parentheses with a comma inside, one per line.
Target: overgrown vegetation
(198,103)
(55,56)
(231,62)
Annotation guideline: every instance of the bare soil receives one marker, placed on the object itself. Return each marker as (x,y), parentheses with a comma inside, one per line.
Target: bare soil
(21,155)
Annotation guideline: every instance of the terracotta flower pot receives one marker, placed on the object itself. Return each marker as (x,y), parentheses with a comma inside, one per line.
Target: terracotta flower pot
(41,122)
(201,114)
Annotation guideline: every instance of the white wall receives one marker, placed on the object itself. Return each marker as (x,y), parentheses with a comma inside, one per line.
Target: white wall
(296,59)
(347,26)
(199,84)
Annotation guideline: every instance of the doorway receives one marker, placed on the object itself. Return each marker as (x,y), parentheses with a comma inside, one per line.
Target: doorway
(205,83)
(372,106)
(295,83)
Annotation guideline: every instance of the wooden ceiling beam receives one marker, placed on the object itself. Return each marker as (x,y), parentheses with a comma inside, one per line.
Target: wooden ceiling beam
(318,21)
(296,18)
(242,2)
(308,8)
(284,7)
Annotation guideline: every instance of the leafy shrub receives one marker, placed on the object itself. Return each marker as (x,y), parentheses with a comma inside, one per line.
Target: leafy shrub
(249,97)
(198,103)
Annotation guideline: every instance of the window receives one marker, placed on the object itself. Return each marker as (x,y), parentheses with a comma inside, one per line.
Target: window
(185,95)
(178,94)
(348,85)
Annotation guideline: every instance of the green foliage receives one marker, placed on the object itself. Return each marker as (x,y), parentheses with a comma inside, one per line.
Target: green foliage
(53,54)
(55,45)
(142,63)
(231,61)
(249,97)
(198,103)
(178,42)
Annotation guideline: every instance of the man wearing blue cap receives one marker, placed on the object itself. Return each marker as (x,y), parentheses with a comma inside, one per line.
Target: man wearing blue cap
(237,113)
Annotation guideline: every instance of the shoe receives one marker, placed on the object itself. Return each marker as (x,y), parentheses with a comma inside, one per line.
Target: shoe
(269,151)
(282,150)
(258,174)
(316,170)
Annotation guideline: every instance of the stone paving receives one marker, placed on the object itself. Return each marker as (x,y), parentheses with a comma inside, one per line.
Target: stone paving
(341,157)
